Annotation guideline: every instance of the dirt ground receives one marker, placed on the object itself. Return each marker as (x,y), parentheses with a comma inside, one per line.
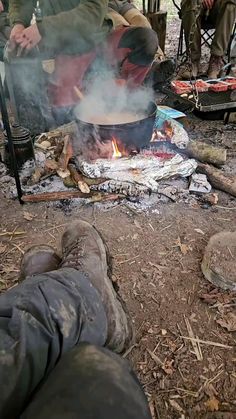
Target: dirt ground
(156,257)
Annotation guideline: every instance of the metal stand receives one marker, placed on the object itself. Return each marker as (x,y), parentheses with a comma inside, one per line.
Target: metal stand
(7,127)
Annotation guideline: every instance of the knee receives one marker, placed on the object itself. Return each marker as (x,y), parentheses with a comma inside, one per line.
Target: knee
(147,40)
(230,8)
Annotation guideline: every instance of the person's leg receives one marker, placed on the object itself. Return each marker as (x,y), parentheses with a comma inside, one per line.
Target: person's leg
(40,320)
(48,314)
(90,383)
(191,18)
(223,15)
(130,51)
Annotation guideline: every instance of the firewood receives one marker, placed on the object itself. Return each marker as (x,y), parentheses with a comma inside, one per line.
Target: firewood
(78,179)
(206,153)
(54,196)
(218,180)
(66,155)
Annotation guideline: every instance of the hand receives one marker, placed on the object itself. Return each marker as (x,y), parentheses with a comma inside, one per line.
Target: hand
(1,7)
(29,38)
(208,4)
(16,32)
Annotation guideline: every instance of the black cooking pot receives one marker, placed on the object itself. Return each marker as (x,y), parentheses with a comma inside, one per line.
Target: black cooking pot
(137,134)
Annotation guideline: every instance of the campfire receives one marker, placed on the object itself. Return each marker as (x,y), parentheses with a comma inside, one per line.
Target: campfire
(113,168)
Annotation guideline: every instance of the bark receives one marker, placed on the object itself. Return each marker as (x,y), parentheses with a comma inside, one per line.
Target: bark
(54,196)
(218,180)
(206,153)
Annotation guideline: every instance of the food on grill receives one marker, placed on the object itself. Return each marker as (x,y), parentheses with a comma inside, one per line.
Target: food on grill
(218,86)
(201,86)
(181,87)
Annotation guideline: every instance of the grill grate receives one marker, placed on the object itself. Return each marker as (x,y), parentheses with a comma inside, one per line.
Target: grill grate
(208,101)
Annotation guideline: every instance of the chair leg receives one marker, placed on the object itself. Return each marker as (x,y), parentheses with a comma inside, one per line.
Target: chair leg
(180,46)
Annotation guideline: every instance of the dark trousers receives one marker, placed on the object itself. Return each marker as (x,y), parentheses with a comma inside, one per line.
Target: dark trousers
(43,319)
(128,51)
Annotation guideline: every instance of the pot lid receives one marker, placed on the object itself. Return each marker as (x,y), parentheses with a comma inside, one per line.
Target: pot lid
(18,132)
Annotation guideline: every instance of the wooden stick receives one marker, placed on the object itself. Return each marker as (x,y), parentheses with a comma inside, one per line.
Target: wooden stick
(78,179)
(54,196)
(206,153)
(208,342)
(78,93)
(218,180)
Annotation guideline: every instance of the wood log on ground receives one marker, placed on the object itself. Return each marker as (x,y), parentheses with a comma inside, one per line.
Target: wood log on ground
(54,196)
(218,179)
(206,153)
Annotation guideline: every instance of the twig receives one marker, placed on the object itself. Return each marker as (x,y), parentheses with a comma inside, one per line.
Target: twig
(155,358)
(129,350)
(18,247)
(226,208)
(165,228)
(12,233)
(195,342)
(53,228)
(208,342)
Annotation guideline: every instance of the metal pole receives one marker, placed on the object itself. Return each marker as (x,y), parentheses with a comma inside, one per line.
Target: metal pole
(7,127)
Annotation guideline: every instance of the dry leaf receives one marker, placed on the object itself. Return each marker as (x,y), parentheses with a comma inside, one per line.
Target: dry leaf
(176,406)
(28,216)
(168,366)
(228,321)
(183,247)
(2,248)
(212,404)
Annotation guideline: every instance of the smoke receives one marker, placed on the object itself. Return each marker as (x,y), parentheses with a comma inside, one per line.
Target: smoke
(105,96)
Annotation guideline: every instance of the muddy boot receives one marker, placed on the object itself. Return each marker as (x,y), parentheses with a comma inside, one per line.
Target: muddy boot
(160,73)
(189,71)
(39,259)
(215,66)
(84,249)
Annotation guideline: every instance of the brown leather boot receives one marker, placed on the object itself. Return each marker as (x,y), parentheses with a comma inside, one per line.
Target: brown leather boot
(84,249)
(215,66)
(37,260)
(189,71)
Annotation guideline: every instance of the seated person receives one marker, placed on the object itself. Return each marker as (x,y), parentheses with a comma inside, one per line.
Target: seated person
(222,14)
(74,33)
(5,29)
(125,13)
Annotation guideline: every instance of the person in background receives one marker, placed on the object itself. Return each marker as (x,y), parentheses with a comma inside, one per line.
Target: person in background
(125,13)
(222,14)
(59,329)
(5,29)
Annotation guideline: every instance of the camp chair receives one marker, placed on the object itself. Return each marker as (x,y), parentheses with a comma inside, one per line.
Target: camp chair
(207,34)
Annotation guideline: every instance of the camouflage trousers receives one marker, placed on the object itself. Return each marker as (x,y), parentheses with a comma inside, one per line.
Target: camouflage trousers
(222,16)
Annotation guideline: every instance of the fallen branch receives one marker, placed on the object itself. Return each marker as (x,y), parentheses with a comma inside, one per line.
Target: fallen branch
(218,180)
(54,196)
(206,153)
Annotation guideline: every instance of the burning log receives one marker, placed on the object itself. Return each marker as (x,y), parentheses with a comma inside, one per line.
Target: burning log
(218,179)
(78,179)
(206,153)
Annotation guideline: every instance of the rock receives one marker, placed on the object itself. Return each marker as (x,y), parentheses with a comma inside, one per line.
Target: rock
(219,261)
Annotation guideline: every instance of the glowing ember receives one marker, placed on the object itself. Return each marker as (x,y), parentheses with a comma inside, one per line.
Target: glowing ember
(116,152)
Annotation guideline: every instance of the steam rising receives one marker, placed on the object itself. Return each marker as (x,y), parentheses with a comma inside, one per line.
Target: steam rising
(106,97)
